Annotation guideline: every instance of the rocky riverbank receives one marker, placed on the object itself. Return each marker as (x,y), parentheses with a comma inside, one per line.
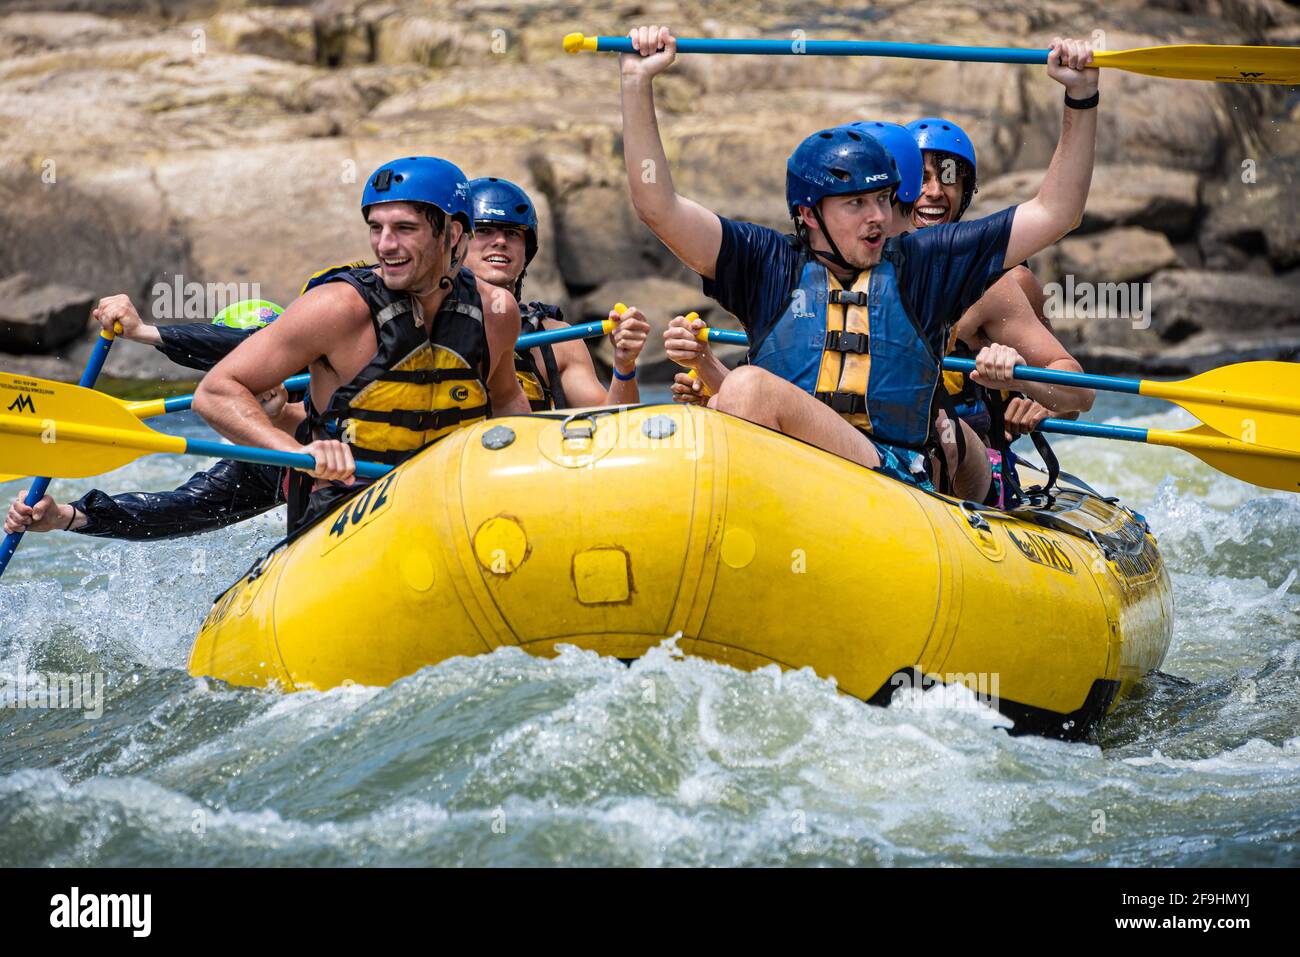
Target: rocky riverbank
(145,146)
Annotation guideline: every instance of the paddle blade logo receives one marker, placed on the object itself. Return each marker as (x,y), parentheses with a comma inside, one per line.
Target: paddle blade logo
(23,404)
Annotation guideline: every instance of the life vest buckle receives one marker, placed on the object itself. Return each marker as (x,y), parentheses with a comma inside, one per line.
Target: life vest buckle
(848,297)
(837,340)
(845,403)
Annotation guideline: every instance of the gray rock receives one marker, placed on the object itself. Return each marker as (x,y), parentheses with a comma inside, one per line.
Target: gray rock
(1198,353)
(599,239)
(1184,302)
(40,318)
(1208,350)
(1174,306)
(1150,195)
(1249,218)
(1147,195)
(284,34)
(107,231)
(1116,255)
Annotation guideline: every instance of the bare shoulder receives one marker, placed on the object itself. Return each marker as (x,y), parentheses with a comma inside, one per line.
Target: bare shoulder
(333,304)
(499,306)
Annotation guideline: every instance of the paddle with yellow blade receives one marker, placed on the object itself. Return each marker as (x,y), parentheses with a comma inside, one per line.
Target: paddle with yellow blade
(94,365)
(69,432)
(78,432)
(148,408)
(1257,403)
(1250,413)
(1256,464)
(1200,61)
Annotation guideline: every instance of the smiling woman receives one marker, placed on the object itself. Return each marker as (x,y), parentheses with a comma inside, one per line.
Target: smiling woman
(950,171)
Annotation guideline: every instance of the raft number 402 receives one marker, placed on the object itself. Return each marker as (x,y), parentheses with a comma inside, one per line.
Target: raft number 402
(360,510)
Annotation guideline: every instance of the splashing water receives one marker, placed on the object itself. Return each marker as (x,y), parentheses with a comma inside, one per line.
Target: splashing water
(510,759)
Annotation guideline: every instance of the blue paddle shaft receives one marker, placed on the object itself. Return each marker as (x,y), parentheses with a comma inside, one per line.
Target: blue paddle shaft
(796,47)
(730,336)
(289,460)
(584,331)
(1079,380)
(89,375)
(1094,430)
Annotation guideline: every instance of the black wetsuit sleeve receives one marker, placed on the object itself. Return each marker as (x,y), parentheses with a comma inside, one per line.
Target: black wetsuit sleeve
(199,345)
(227,493)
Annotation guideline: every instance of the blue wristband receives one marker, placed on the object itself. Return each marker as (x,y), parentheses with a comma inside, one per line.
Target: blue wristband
(624,378)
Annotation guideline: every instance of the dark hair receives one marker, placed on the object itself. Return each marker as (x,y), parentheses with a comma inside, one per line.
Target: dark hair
(965,170)
(436,217)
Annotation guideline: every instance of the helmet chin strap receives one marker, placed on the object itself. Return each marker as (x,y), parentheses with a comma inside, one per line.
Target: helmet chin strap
(444,281)
(833,255)
(453,265)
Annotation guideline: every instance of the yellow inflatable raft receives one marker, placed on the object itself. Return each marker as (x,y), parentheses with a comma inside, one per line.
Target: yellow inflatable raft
(613,530)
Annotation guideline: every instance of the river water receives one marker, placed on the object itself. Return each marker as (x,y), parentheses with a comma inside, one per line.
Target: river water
(507,759)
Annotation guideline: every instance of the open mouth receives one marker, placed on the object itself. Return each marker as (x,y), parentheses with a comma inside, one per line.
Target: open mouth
(874,239)
(929,215)
(495,259)
(395,263)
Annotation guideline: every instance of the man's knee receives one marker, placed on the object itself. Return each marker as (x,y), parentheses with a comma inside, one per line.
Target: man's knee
(739,388)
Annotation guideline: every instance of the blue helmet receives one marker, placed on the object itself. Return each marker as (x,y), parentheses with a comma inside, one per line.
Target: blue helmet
(934,133)
(837,162)
(497,200)
(902,147)
(421,179)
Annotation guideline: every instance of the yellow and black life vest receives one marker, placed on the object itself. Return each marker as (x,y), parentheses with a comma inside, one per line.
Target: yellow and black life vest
(420,385)
(543,392)
(845,366)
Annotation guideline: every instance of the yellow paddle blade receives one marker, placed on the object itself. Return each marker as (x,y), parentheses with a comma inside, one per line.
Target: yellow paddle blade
(10,478)
(1221,64)
(1256,402)
(65,431)
(1256,464)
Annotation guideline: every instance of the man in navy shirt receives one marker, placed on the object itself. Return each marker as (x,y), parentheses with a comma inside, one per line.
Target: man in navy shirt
(846,329)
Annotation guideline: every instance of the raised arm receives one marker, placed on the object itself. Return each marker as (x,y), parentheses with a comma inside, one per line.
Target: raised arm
(1058,207)
(693,233)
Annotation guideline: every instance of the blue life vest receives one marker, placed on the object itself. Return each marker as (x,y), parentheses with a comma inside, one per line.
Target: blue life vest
(859,351)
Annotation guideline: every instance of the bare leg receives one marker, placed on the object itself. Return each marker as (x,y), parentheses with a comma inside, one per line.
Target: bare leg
(759,396)
(973,475)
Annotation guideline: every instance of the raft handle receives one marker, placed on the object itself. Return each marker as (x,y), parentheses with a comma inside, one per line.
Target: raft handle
(1108,551)
(578,432)
(974,518)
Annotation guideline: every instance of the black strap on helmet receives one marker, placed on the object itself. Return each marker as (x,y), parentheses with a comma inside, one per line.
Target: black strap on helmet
(834,255)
